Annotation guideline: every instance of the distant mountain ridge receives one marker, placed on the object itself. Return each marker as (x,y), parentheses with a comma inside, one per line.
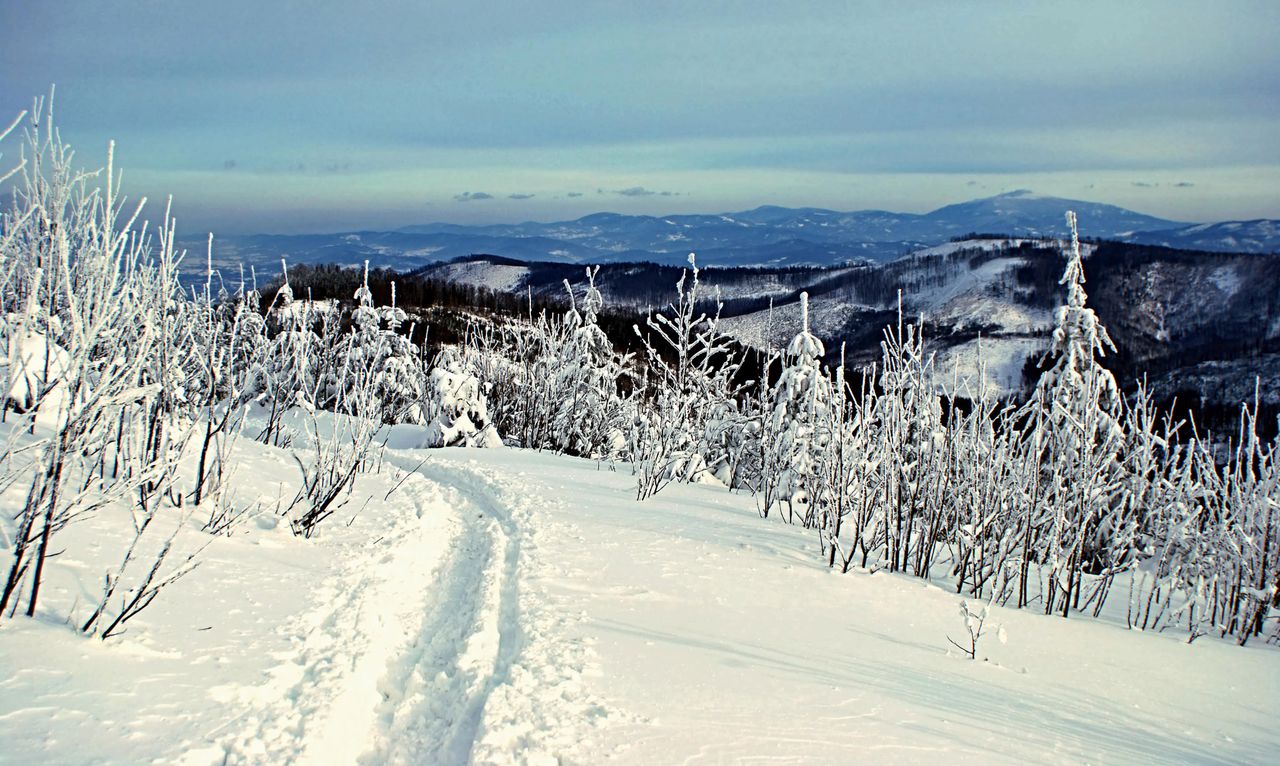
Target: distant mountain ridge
(1258,236)
(876,233)
(764,236)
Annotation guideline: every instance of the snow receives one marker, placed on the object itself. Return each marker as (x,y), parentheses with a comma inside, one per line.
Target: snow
(959,298)
(775,328)
(32,362)
(503,606)
(950,248)
(1226,279)
(956,368)
(970,299)
(499,277)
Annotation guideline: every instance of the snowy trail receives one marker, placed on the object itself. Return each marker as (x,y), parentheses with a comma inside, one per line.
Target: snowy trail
(421,652)
(535,707)
(326,690)
(435,693)
(725,640)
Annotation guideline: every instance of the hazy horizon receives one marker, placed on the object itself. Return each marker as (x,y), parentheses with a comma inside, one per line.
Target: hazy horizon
(659,215)
(290,117)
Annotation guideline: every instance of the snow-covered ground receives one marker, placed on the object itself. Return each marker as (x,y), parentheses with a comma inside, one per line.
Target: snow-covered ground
(999,361)
(975,297)
(499,277)
(502,606)
(969,299)
(774,328)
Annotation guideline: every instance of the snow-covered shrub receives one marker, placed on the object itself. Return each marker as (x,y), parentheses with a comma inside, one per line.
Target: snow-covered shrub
(689,376)
(400,380)
(553,380)
(289,373)
(915,447)
(974,622)
(456,411)
(798,427)
(230,336)
(585,382)
(105,423)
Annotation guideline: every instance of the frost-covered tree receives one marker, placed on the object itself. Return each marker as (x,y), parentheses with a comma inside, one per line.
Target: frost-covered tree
(298,369)
(231,338)
(914,448)
(798,428)
(987,490)
(587,420)
(456,411)
(1079,435)
(690,374)
(98,423)
(401,378)
(553,379)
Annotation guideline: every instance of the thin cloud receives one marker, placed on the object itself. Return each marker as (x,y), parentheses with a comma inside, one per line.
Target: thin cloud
(1183,185)
(1144,185)
(471,196)
(574,194)
(229,165)
(640,191)
(521,196)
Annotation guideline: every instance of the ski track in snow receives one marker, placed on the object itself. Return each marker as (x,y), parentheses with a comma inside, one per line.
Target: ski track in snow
(535,708)
(419,652)
(435,694)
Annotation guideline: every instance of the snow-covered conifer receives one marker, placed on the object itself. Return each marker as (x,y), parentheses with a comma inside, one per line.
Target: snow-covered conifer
(456,411)
(690,371)
(1081,435)
(798,427)
(587,419)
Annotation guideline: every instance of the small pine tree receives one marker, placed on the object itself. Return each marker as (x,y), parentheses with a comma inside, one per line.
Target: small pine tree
(1079,433)
(799,425)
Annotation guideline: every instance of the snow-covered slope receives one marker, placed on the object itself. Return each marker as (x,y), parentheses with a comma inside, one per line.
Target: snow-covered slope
(979,297)
(774,328)
(996,362)
(1257,236)
(500,277)
(511,607)
(978,305)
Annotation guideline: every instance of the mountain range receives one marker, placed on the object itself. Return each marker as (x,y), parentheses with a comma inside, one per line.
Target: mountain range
(764,236)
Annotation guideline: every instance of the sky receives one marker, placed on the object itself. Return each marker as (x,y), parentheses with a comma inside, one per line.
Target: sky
(283,116)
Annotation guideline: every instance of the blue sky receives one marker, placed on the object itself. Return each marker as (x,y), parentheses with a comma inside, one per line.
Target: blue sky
(292,116)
